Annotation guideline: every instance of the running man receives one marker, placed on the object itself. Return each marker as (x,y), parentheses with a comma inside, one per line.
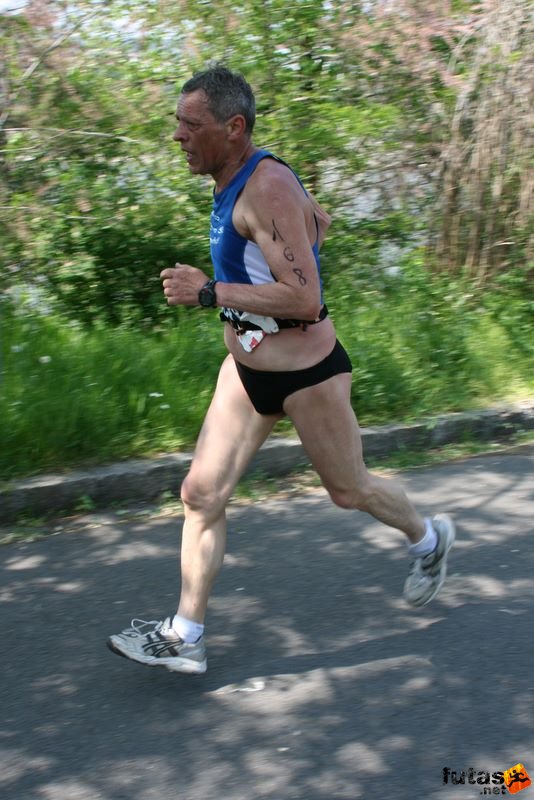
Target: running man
(283,360)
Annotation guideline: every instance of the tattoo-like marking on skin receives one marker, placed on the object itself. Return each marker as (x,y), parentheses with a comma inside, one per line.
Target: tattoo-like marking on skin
(276,233)
(300,276)
(288,253)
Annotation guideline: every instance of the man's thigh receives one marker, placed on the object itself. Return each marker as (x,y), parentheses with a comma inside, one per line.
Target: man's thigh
(328,429)
(231,434)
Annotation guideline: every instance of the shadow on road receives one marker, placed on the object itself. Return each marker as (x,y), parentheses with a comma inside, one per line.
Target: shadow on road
(321,684)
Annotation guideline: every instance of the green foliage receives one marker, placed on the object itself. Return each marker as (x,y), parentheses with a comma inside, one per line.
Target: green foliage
(420,344)
(70,396)
(95,200)
(512,304)
(114,249)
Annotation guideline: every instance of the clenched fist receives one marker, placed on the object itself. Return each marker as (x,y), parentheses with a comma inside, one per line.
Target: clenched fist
(182,283)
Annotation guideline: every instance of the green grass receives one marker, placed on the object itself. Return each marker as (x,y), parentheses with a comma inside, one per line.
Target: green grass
(71,397)
(420,348)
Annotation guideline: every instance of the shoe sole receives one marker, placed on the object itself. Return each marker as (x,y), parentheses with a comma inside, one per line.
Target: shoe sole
(176,665)
(443,571)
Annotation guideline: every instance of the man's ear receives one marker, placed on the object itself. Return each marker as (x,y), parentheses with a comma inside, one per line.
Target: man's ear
(236,127)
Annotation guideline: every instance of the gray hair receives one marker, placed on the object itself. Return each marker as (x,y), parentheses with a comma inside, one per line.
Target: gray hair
(228,94)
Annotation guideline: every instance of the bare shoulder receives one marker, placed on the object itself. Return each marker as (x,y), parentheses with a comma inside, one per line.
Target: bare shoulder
(273,180)
(271,192)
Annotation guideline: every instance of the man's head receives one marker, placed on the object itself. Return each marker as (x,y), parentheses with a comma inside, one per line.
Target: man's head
(216,113)
(227,92)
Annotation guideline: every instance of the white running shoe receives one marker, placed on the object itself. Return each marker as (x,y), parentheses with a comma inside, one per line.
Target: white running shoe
(427,573)
(156,644)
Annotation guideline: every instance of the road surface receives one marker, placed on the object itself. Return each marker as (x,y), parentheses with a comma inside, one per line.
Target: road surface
(321,685)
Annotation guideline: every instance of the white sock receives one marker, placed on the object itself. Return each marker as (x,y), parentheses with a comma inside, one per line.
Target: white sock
(427,544)
(188,630)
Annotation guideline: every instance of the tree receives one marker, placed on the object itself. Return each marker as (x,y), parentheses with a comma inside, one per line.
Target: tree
(91,206)
(486,216)
(390,96)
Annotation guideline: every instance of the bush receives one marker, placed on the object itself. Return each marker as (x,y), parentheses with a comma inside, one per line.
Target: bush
(71,396)
(420,345)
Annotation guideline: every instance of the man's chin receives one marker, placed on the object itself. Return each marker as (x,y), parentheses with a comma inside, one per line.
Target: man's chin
(194,169)
(197,170)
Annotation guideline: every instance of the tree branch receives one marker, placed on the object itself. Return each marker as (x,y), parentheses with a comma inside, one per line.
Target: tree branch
(37,63)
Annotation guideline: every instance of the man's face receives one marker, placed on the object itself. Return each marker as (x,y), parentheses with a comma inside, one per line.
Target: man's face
(201,137)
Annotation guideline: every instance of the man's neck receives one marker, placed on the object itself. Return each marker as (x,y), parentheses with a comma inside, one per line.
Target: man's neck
(233,165)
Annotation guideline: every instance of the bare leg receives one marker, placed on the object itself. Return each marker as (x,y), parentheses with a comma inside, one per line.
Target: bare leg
(329,431)
(232,432)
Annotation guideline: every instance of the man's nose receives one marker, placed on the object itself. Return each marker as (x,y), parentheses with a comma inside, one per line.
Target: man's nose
(179,133)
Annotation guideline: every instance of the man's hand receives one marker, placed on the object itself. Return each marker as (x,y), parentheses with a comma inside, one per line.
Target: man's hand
(182,283)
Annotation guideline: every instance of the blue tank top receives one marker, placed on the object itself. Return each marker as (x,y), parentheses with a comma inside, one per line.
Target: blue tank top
(235,258)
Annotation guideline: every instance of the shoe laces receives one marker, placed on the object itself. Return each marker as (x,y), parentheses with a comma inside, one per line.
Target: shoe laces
(140,627)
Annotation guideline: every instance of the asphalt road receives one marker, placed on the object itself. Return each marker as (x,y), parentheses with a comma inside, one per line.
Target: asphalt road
(322,684)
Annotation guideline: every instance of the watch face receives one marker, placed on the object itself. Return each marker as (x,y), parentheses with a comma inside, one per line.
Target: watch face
(206,296)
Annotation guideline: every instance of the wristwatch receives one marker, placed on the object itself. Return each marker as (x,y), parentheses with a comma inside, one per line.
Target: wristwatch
(206,296)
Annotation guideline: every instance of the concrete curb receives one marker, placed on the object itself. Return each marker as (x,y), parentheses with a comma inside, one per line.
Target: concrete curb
(146,479)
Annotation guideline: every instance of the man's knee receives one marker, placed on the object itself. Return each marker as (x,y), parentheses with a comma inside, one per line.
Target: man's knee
(358,498)
(196,495)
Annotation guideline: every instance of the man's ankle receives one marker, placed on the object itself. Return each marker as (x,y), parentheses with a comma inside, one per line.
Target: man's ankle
(187,629)
(427,544)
